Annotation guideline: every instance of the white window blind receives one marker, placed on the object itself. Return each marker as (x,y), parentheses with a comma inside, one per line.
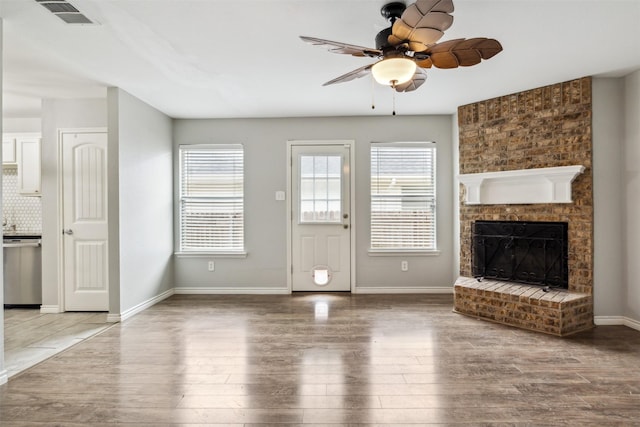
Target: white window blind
(212,198)
(403,197)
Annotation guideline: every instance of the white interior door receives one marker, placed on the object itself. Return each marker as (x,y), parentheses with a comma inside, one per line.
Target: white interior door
(84,186)
(321,218)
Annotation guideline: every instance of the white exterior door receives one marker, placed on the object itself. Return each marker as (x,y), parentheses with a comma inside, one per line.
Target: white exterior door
(320,218)
(84,167)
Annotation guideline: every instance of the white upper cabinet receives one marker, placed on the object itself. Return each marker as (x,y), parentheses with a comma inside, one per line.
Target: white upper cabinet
(29,164)
(9,151)
(22,151)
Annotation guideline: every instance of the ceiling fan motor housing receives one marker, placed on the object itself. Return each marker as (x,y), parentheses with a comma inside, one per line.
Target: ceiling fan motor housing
(390,12)
(382,39)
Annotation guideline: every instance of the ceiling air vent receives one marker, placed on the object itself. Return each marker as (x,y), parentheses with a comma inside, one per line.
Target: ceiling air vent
(65,11)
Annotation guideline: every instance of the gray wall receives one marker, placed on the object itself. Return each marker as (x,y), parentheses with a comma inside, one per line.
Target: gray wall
(3,372)
(59,114)
(265,173)
(455,167)
(17,125)
(631,168)
(608,141)
(616,186)
(141,201)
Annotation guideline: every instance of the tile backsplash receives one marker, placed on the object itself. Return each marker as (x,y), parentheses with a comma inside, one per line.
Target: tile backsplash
(22,211)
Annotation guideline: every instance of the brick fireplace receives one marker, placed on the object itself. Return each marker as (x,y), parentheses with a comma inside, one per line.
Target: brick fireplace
(547,127)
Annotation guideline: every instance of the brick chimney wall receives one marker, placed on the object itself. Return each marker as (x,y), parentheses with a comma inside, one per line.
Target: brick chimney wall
(544,127)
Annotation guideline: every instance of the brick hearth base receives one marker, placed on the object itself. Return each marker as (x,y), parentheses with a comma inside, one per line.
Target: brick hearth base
(556,312)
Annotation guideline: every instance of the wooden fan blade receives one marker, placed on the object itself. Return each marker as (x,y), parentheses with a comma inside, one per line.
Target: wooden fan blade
(416,81)
(488,47)
(461,52)
(425,63)
(351,75)
(347,49)
(422,24)
(425,11)
(444,46)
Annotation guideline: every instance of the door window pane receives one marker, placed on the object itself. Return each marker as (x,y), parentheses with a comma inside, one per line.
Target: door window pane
(320,189)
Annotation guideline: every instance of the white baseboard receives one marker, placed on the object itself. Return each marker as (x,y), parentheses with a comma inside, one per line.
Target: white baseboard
(608,320)
(632,323)
(230,291)
(395,290)
(50,309)
(280,291)
(114,317)
(4,377)
(617,320)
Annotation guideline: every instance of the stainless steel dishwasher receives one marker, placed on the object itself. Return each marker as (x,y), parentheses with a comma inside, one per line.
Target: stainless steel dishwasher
(22,270)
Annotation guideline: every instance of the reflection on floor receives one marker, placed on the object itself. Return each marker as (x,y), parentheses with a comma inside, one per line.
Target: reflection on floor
(31,337)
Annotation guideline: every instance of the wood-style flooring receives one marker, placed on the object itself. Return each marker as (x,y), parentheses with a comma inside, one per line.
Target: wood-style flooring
(31,337)
(326,360)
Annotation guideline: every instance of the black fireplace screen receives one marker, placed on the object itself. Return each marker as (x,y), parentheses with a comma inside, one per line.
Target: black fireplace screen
(526,252)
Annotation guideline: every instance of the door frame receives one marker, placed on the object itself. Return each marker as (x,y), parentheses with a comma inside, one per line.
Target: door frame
(350,144)
(60,200)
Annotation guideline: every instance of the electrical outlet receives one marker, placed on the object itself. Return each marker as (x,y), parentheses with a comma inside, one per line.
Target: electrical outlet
(211,266)
(404,265)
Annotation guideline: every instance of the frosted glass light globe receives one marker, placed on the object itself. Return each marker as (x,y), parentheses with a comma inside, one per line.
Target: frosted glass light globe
(393,71)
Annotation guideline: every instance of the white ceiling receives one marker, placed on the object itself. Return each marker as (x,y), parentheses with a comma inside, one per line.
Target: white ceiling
(240,58)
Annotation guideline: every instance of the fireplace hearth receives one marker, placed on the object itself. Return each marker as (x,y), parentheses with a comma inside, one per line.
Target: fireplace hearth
(534,253)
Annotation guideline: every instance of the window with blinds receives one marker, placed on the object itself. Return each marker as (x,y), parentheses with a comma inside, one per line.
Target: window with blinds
(212,198)
(403,197)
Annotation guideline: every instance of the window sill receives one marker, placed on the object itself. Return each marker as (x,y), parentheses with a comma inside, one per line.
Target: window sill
(399,252)
(210,254)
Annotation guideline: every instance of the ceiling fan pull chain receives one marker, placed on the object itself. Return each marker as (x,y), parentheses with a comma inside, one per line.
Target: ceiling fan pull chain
(393,86)
(373,93)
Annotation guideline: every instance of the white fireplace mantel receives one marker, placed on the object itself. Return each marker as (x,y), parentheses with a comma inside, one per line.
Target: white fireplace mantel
(524,186)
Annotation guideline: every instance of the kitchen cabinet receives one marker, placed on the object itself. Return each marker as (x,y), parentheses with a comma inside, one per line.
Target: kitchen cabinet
(22,151)
(8,151)
(28,150)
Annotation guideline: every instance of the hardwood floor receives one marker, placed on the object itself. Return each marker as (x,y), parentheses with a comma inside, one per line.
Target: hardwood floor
(328,359)
(31,337)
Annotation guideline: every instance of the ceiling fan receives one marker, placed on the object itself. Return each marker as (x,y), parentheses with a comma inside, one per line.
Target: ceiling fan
(409,46)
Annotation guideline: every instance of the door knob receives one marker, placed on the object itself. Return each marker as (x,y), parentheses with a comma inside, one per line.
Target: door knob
(67,231)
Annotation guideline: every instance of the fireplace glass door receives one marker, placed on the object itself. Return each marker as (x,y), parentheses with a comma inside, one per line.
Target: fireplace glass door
(524,252)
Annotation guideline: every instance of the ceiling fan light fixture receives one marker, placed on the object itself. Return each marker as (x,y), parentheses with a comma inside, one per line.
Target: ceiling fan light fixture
(393,71)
